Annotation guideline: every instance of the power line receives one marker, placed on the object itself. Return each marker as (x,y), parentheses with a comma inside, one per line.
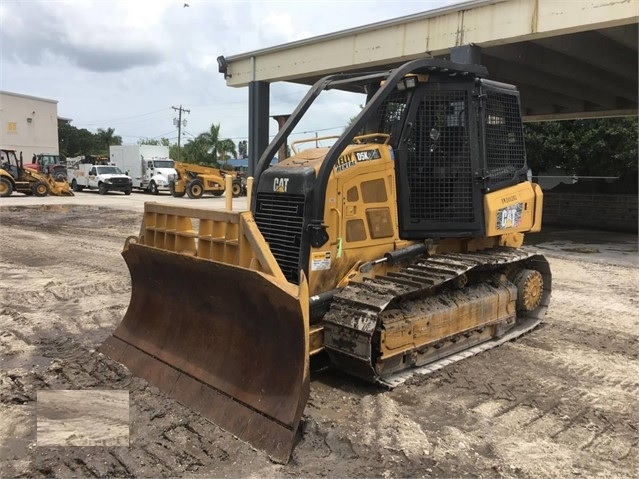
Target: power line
(123,118)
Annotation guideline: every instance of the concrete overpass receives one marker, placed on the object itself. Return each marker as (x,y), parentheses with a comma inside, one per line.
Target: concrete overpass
(568,58)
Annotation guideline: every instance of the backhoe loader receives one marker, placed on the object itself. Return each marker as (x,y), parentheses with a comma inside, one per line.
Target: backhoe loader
(14,176)
(195,180)
(396,250)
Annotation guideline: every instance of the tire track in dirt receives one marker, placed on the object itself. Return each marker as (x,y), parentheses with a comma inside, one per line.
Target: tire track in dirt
(607,388)
(523,406)
(188,448)
(606,370)
(83,417)
(53,293)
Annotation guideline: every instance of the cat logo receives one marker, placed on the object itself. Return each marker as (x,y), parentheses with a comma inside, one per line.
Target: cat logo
(280,185)
(510,216)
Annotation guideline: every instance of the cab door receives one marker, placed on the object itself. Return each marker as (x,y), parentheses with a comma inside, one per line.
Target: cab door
(369,216)
(93,177)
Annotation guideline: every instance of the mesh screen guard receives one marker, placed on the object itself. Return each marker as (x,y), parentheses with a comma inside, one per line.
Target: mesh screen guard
(504,137)
(436,160)
(459,140)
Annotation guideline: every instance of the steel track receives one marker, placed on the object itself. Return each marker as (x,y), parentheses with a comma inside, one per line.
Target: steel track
(354,315)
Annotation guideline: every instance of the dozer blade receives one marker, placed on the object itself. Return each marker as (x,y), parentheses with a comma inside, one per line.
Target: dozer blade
(226,341)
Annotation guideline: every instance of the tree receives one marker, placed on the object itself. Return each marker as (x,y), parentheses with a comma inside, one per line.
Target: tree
(74,141)
(218,149)
(107,138)
(227,150)
(173,152)
(598,147)
(155,142)
(242,147)
(80,141)
(195,150)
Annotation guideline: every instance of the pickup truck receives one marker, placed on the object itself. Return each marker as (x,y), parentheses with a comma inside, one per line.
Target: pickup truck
(103,178)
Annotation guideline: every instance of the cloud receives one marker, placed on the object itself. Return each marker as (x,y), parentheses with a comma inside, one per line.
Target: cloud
(86,34)
(125,63)
(282,24)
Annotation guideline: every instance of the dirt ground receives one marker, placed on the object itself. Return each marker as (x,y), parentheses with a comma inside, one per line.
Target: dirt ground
(82,417)
(560,402)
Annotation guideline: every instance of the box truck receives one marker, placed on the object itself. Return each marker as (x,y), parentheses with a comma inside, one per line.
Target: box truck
(149,166)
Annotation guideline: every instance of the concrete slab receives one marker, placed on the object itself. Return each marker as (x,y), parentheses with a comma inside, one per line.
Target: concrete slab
(593,245)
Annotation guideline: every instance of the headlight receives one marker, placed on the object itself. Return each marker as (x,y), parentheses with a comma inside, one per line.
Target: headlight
(162,182)
(107,180)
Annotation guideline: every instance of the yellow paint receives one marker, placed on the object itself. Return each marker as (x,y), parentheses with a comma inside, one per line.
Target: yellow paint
(513,210)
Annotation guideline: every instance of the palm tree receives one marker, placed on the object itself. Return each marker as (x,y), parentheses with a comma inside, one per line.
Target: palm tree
(107,137)
(226,150)
(196,151)
(218,148)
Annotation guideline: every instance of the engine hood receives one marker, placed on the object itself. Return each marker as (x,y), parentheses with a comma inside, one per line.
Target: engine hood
(113,176)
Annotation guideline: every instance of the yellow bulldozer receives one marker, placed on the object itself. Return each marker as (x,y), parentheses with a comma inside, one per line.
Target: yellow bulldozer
(396,250)
(14,176)
(196,180)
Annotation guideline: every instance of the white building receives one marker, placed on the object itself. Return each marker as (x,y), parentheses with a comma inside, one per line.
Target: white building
(28,124)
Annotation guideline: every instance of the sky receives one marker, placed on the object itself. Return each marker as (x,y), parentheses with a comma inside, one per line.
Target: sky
(125,64)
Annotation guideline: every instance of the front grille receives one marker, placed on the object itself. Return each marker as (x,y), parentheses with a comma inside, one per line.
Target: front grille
(280,218)
(120,181)
(439,166)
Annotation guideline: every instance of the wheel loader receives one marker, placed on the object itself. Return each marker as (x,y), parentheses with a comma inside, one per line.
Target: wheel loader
(195,180)
(14,176)
(396,250)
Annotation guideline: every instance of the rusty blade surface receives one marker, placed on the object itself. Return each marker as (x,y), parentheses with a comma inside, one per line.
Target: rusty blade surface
(226,341)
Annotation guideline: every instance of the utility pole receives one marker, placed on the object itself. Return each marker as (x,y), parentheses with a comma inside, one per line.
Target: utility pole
(178,122)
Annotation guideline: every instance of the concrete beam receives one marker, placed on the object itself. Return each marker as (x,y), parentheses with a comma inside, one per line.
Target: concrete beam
(597,50)
(569,69)
(485,23)
(527,75)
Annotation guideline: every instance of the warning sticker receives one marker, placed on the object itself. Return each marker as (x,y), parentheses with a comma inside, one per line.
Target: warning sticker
(320,261)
